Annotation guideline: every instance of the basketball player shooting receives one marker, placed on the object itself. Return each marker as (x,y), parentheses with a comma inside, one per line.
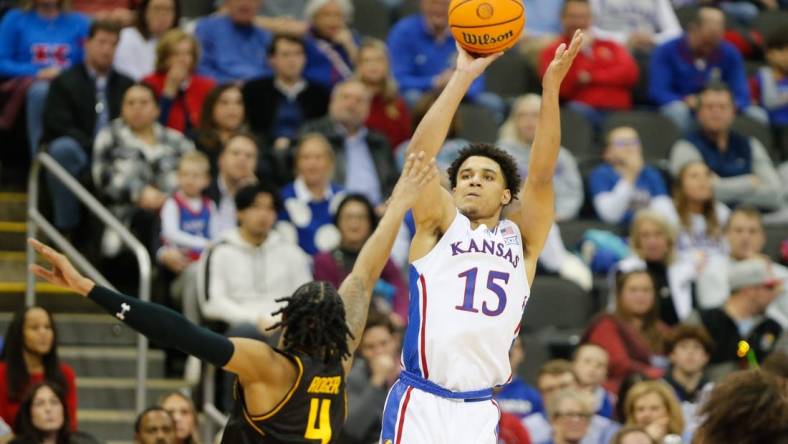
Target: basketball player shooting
(471,269)
(294,393)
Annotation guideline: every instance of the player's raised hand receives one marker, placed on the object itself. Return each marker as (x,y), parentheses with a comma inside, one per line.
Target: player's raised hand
(416,173)
(473,65)
(62,273)
(562,61)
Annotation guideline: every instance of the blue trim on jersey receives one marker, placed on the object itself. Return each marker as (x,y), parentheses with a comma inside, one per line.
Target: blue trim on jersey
(410,347)
(430,387)
(391,411)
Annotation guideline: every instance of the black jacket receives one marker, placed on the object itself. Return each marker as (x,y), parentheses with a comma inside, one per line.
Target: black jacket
(71,105)
(261,100)
(378,146)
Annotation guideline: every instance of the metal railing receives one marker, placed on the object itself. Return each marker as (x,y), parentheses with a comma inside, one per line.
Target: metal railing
(36,221)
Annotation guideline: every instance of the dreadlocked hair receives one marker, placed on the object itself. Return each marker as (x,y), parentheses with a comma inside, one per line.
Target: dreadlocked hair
(504,160)
(314,322)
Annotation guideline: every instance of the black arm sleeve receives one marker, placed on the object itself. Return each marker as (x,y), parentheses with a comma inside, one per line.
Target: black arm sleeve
(165,326)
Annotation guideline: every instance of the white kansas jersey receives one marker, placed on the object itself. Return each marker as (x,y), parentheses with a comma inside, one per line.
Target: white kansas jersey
(467,297)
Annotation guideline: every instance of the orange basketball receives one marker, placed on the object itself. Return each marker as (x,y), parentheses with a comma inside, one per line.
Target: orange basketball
(486,26)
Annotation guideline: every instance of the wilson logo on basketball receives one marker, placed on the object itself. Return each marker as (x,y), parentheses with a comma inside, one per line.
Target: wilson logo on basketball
(486,39)
(485,11)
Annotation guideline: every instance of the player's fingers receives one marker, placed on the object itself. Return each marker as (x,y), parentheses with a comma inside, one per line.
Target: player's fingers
(42,272)
(44,250)
(406,169)
(559,52)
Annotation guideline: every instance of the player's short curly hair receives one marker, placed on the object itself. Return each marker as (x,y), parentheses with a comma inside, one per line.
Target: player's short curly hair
(504,160)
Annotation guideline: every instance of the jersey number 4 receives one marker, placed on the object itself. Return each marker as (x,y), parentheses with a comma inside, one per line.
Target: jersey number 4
(319,425)
(468,303)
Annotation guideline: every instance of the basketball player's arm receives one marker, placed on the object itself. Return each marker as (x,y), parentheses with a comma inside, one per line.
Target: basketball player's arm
(536,213)
(434,210)
(356,289)
(167,327)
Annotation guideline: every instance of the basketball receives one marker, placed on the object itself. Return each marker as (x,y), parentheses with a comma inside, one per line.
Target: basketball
(486,26)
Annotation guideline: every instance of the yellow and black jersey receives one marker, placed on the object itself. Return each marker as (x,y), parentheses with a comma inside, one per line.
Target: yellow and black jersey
(312,412)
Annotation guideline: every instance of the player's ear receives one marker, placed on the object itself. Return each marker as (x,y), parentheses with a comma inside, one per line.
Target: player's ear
(506,197)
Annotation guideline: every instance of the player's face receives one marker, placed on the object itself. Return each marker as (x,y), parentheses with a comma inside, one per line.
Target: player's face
(649,408)
(591,365)
(653,242)
(182,414)
(46,412)
(571,420)
(745,236)
(696,183)
(38,333)
(637,295)
(156,427)
(480,191)
(689,356)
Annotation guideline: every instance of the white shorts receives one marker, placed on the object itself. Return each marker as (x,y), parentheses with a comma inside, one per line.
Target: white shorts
(413,416)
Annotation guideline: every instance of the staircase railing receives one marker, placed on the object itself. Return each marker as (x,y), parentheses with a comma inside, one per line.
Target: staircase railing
(36,221)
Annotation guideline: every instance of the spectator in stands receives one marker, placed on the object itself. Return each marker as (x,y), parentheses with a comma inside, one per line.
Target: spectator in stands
(689,347)
(724,419)
(683,67)
(653,246)
(40,41)
(423,52)
(311,200)
(366,153)
(542,27)
(331,46)
(653,406)
(222,116)
(135,161)
(742,318)
(589,364)
(633,435)
(624,184)
(188,217)
(5,431)
(698,216)
(745,239)
(770,84)
(154,426)
(555,377)
(236,164)
(368,382)
(136,54)
(81,102)
(278,106)
(118,11)
(233,47)
(388,113)
(639,25)
(181,92)
(603,74)
(517,397)
(512,431)
(181,408)
(356,220)
(632,334)
(570,416)
(744,172)
(516,136)
(43,418)
(30,357)
(252,266)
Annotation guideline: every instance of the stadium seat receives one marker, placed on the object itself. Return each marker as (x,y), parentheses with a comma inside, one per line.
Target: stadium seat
(556,304)
(768,22)
(196,8)
(371,18)
(774,236)
(577,136)
(572,231)
(508,76)
(476,124)
(753,128)
(657,133)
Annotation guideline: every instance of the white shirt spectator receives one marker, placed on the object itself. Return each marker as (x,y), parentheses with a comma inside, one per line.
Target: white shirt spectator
(135,56)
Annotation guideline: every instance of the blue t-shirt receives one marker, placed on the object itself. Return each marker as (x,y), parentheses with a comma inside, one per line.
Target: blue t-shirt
(319,66)
(29,42)
(778,115)
(519,399)
(232,52)
(648,185)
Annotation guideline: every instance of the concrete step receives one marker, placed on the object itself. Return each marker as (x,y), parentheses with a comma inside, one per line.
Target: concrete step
(114,362)
(107,425)
(12,235)
(119,393)
(85,329)
(13,207)
(51,297)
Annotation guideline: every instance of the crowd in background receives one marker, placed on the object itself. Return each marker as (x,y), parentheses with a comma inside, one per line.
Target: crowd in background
(253,149)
